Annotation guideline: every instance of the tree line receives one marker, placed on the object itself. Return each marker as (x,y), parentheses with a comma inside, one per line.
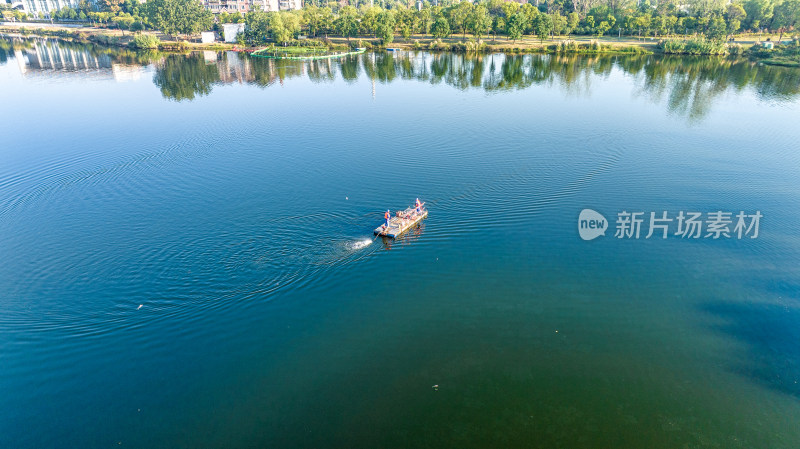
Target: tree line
(172,17)
(713,19)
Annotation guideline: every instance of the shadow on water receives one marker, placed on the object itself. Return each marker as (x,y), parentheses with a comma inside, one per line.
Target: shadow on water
(688,86)
(772,337)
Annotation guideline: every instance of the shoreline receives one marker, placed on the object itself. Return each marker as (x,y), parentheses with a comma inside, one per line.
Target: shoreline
(459,44)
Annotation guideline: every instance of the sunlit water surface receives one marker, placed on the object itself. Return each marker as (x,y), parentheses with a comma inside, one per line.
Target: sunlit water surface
(187,258)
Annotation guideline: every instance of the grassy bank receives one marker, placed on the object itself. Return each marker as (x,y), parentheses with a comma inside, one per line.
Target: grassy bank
(152,40)
(528,44)
(781,55)
(787,54)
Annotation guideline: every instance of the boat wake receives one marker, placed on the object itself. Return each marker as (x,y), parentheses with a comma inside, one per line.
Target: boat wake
(355,246)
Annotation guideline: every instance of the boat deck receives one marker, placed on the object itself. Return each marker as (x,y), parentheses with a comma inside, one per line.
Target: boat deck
(400,224)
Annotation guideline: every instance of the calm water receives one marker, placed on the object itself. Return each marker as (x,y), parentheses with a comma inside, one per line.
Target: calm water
(187,261)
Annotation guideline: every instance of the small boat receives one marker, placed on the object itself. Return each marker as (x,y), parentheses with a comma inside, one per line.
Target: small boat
(402,222)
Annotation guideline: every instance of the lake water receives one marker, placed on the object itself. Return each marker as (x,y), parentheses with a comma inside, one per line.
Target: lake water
(186,251)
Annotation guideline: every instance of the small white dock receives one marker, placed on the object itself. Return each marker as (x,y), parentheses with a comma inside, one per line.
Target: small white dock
(401,222)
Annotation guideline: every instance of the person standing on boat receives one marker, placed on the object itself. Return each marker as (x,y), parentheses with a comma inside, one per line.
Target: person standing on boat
(387,215)
(418,205)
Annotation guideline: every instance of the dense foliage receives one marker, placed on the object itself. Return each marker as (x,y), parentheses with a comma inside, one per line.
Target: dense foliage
(146,41)
(704,19)
(174,17)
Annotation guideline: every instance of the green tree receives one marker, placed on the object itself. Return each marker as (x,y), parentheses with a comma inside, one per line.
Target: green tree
(347,22)
(759,12)
(573,20)
(326,23)
(175,17)
(509,9)
(734,11)
(531,14)
(498,26)
(369,20)
(281,32)
(386,25)
(136,26)
(85,7)
(602,28)
(515,26)
(113,6)
(256,27)
(734,14)
(786,16)
(542,25)
(559,23)
(459,17)
(425,20)
(479,21)
(613,21)
(123,21)
(708,8)
(312,18)
(407,21)
(293,21)
(671,23)
(99,17)
(132,7)
(440,28)
(717,28)
(642,23)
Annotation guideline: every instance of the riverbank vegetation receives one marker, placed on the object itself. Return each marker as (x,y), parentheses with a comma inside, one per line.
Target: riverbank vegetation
(709,19)
(697,47)
(782,55)
(498,19)
(145,42)
(695,27)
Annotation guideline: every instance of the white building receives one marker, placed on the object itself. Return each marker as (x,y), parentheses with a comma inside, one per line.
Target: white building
(243,6)
(231,30)
(46,6)
(290,4)
(207,37)
(229,6)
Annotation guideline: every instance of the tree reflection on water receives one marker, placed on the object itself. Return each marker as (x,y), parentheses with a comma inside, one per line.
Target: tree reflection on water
(688,86)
